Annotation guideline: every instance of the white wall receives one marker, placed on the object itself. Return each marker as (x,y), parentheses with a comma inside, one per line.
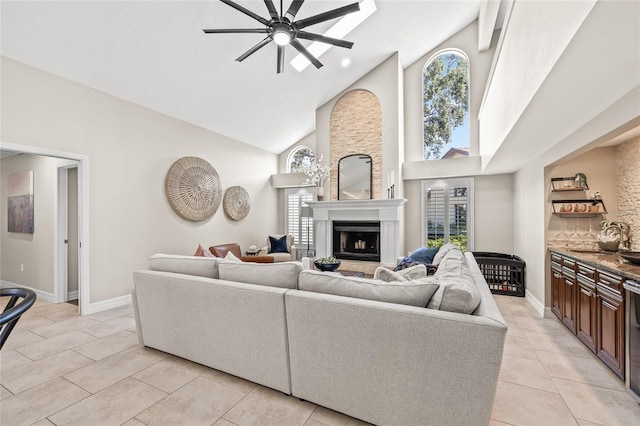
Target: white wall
(130,149)
(597,67)
(493,222)
(537,33)
(34,251)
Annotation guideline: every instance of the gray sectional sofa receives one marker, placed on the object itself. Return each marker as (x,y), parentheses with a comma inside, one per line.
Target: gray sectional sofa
(363,347)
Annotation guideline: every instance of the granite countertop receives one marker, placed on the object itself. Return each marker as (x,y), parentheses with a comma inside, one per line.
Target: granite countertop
(604,260)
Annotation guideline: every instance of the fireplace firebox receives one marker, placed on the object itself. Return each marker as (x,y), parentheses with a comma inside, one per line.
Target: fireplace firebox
(356,240)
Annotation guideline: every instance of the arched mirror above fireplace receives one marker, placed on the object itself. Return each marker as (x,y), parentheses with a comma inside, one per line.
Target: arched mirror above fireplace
(354,177)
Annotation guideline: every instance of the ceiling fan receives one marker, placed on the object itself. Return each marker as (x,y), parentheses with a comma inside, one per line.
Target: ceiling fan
(283,30)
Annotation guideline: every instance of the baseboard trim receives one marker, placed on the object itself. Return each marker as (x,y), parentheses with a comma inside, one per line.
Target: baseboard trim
(41,294)
(72,295)
(533,301)
(104,305)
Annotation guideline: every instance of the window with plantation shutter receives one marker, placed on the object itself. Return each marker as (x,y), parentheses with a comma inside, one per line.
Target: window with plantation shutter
(300,227)
(447,212)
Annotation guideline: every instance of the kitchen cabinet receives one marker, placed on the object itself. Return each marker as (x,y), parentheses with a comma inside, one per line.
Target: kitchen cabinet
(610,313)
(590,302)
(587,306)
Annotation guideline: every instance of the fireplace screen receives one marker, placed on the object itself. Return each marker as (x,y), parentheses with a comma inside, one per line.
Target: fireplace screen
(356,240)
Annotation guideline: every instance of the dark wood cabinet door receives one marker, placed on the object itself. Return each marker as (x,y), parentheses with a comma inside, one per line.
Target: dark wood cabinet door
(568,300)
(586,322)
(556,290)
(610,338)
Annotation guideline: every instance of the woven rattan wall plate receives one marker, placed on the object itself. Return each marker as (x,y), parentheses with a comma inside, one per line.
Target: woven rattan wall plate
(236,203)
(193,189)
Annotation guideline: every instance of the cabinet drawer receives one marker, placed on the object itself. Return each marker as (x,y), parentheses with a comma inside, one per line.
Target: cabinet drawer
(586,282)
(556,267)
(587,271)
(569,272)
(610,281)
(569,263)
(556,258)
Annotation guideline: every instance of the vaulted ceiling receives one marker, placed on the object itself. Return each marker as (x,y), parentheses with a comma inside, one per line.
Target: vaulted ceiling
(154,53)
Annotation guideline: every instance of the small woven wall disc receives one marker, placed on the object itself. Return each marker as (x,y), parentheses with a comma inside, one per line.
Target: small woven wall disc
(236,203)
(193,189)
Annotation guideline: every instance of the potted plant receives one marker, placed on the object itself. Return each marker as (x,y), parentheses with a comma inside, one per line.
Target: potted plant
(317,174)
(327,264)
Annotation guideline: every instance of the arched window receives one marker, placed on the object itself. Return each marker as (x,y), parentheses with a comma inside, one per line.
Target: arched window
(445,91)
(299,158)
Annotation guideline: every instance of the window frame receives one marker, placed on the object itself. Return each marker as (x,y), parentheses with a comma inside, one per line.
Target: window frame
(450,183)
(422,87)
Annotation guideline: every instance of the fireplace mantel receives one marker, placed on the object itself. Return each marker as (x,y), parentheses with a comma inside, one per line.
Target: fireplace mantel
(388,212)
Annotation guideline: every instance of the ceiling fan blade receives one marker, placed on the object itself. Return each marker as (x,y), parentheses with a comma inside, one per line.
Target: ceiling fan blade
(280,59)
(245,11)
(236,30)
(293,9)
(300,48)
(272,9)
(254,49)
(332,14)
(324,39)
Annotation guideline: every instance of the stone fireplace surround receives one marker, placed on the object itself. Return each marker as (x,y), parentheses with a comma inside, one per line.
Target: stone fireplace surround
(388,212)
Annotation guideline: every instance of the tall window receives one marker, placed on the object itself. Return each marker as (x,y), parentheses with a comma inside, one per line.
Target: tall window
(299,159)
(447,212)
(445,113)
(300,227)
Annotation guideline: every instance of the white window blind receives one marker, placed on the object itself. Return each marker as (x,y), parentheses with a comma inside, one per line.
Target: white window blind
(300,227)
(447,212)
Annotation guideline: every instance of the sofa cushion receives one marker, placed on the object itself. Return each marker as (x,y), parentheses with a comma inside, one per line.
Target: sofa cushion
(442,252)
(458,291)
(283,274)
(412,273)
(414,293)
(424,255)
(189,265)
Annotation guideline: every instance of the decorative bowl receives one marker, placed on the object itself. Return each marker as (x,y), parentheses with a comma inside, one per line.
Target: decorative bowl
(631,256)
(327,267)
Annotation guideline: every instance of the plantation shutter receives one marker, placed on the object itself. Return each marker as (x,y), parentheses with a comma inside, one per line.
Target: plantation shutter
(447,214)
(294,224)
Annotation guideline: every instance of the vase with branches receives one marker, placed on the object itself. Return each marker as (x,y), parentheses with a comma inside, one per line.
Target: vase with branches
(317,174)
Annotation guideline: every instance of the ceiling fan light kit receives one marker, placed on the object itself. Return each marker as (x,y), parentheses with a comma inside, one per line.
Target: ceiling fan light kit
(283,30)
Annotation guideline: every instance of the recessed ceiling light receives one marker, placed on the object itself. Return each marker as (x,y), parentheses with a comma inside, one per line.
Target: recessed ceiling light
(345,62)
(340,29)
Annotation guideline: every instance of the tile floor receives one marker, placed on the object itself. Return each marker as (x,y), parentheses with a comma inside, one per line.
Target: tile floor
(63,369)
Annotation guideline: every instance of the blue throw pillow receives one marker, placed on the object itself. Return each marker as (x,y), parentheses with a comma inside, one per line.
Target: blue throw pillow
(278,245)
(424,255)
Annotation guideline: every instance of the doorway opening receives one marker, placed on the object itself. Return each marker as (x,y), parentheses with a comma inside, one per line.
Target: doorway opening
(80,165)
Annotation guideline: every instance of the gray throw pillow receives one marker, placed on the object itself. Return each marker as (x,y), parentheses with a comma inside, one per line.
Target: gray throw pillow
(387,275)
(414,293)
(415,272)
(408,274)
